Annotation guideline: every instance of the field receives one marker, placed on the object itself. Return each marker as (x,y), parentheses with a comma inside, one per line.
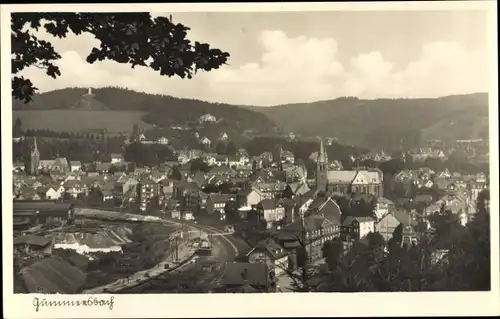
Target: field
(81,121)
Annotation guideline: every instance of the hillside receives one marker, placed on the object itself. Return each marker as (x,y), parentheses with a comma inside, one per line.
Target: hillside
(385,122)
(159,110)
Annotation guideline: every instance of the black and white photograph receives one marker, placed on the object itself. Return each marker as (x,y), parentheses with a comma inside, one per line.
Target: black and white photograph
(232,152)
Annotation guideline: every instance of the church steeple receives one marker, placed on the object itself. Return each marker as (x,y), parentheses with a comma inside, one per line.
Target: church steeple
(321,155)
(35,145)
(34,158)
(321,169)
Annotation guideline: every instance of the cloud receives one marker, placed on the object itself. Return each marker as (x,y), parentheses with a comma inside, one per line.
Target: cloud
(443,68)
(307,69)
(289,70)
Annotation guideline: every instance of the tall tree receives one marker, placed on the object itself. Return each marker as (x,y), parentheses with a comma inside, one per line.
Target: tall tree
(288,193)
(176,174)
(130,38)
(231,149)
(333,251)
(220,148)
(17,129)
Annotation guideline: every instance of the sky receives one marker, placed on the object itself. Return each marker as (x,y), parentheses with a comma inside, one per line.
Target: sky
(293,57)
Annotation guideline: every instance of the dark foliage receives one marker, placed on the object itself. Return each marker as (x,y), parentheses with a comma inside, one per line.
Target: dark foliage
(136,39)
(371,122)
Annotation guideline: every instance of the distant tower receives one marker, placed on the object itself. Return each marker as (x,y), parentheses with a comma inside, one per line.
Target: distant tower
(321,169)
(35,159)
(87,99)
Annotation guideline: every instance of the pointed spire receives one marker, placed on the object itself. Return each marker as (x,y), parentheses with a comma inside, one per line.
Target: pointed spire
(321,156)
(35,146)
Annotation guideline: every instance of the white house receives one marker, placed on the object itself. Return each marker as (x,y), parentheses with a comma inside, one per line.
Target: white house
(75,165)
(116,158)
(273,210)
(207,118)
(224,136)
(205,141)
(162,140)
(359,227)
(382,207)
(52,193)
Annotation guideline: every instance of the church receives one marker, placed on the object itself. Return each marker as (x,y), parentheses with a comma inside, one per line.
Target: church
(34,162)
(360,181)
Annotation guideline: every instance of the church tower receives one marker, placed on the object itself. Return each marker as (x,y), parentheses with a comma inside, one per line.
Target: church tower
(34,159)
(321,169)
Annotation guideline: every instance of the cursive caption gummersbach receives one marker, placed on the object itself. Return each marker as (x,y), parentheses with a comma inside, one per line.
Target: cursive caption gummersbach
(88,302)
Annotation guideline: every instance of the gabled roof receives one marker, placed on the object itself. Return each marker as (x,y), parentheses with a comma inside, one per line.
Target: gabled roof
(32,240)
(349,219)
(220,198)
(270,203)
(269,245)
(403,217)
(53,275)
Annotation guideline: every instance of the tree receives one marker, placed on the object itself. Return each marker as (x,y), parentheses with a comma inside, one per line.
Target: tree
(112,169)
(176,174)
(129,38)
(231,211)
(288,193)
(17,129)
(333,251)
(198,164)
(231,149)
(220,148)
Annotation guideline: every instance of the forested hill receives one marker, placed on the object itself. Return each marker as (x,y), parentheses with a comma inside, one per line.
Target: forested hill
(384,122)
(160,110)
